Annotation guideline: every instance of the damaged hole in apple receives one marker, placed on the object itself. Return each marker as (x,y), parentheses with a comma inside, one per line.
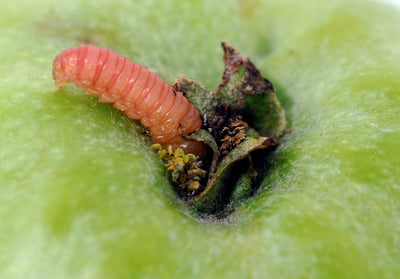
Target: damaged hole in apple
(215,143)
(242,121)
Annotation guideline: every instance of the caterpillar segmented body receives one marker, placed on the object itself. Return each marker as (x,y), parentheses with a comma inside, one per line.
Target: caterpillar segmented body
(132,88)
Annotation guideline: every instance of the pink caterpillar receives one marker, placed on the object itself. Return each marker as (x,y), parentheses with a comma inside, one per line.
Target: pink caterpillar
(132,88)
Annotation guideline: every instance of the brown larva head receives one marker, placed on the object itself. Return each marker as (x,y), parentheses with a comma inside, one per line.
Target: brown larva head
(194,147)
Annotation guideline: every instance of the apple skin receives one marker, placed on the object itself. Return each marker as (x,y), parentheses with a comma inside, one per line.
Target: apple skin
(83,196)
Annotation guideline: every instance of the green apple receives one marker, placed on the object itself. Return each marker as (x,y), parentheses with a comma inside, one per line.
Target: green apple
(83,196)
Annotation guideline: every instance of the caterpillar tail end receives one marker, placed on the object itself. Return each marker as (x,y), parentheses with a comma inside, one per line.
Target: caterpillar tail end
(57,73)
(58,84)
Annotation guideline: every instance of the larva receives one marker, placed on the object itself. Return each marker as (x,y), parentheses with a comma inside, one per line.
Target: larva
(131,88)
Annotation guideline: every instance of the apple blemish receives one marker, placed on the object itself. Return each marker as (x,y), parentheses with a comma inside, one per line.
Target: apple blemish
(242,121)
(215,143)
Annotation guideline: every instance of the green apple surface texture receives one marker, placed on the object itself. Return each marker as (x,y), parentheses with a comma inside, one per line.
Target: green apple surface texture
(83,196)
